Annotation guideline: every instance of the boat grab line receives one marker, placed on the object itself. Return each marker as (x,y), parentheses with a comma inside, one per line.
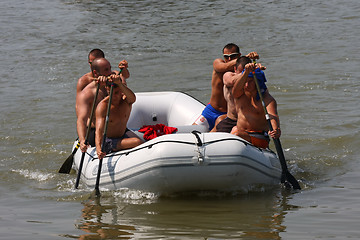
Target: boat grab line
(182,142)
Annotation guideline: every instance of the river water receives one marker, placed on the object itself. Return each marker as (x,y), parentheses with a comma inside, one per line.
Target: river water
(311,50)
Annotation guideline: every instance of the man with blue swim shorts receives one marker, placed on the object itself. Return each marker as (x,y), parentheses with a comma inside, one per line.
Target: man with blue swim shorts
(217,105)
(208,116)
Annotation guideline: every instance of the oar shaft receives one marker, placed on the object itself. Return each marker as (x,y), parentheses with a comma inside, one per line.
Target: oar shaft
(87,136)
(97,190)
(286,175)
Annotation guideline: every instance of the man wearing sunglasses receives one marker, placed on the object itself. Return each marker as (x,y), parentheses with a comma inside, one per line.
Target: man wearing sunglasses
(216,110)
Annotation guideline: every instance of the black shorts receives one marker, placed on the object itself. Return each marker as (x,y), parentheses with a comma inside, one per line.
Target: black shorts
(226,125)
(92,137)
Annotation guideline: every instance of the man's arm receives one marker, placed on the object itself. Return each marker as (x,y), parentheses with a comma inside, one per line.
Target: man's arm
(221,67)
(83,82)
(130,95)
(230,78)
(82,113)
(125,74)
(239,84)
(100,125)
(271,107)
(253,55)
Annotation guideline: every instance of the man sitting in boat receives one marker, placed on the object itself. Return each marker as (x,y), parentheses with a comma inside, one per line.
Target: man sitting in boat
(216,110)
(118,136)
(251,123)
(227,124)
(101,68)
(217,104)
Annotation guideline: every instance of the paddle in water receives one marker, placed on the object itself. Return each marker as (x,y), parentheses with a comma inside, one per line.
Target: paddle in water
(97,190)
(87,136)
(67,165)
(286,176)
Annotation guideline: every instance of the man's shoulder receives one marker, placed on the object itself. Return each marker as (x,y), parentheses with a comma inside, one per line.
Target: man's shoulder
(87,91)
(218,61)
(229,74)
(86,76)
(103,104)
(84,80)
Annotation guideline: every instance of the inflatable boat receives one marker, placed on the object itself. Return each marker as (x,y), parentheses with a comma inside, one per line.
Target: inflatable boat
(192,159)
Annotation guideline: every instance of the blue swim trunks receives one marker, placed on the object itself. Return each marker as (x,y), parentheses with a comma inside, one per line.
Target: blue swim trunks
(211,114)
(111,143)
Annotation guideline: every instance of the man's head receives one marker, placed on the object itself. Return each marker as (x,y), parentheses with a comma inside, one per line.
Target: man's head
(239,67)
(101,67)
(117,93)
(95,53)
(231,51)
(240,63)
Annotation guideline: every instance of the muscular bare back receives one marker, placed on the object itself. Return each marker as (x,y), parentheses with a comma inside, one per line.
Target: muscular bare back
(84,81)
(217,99)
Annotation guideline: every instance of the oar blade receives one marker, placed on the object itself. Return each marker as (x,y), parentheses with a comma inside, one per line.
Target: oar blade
(67,165)
(292,180)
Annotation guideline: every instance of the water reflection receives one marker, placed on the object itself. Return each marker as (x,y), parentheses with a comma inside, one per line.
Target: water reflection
(245,216)
(100,222)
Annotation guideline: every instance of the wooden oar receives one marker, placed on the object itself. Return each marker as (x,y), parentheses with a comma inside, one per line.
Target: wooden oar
(286,175)
(97,191)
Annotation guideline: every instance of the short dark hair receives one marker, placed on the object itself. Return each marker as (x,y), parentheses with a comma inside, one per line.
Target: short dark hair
(231,46)
(242,61)
(97,53)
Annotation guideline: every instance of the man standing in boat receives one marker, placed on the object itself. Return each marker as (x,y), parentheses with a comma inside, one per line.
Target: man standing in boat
(251,122)
(101,70)
(118,136)
(216,110)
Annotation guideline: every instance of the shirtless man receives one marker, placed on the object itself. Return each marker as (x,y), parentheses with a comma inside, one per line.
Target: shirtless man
(251,123)
(217,106)
(227,124)
(101,69)
(118,137)
(89,77)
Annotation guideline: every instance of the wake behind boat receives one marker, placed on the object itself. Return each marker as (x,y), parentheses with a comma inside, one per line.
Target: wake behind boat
(192,159)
